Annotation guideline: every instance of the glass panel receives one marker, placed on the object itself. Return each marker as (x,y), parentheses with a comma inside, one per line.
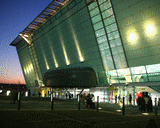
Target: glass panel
(106,52)
(107,13)
(110,62)
(106,45)
(111,28)
(101,1)
(113,35)
(96,19)
(123,72)
(105,6)
(102,39)
(119,62)
(109,20)
(115,42)
(140,78)
(71,5)
(113,73)
(98,25)
(138,70)
(100,32)
(120,49)
(101,47)
(153,68)
(154,77)
(94,12)
(114,51)
(92,6)
(117,51)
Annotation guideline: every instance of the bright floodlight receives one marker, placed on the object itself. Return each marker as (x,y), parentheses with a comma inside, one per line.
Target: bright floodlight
(132,37)
(149,28)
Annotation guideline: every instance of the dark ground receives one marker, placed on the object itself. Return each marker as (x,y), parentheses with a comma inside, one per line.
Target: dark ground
(71,119)
(36,113)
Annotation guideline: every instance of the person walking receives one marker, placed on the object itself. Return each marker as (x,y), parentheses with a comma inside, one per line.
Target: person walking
(139,102)
(15,97)
(146,103)
(143,105)
(150,104)
(115,99)
(39,94)
(130,99)
(12,96)
(88,98)
(83,98)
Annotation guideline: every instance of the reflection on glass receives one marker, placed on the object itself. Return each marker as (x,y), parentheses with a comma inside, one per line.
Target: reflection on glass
(153,68)
(138,70)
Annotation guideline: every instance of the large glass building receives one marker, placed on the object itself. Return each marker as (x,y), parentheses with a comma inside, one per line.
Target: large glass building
(119,39)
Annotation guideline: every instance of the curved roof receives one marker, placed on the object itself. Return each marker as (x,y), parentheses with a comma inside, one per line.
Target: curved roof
(50,10)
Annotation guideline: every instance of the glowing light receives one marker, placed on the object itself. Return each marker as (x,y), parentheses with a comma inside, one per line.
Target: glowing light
(25,70)
(45,59)
(145,114)
(31,66)
(132,37)
(43,93)
(25,35)
(118,110)
(26,94)
(8,92)
(149,28)
(54,58)
(77,44)
(65,53)
(25,38)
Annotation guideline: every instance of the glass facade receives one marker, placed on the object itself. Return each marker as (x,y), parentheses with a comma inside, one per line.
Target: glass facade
(108,39)
(117,41)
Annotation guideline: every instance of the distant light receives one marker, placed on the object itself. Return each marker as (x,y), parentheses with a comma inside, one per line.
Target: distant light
(99,108)
(26,94)
(145,113)
(26,35)
(118,110)
(8,92)
(0,91)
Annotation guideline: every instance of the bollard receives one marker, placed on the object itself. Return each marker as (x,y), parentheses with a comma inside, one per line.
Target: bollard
(19,100)
(52,100)
(123,107)
(97,102)
(78,101)
(155,106)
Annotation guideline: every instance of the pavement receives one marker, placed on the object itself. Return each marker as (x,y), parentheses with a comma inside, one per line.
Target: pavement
(37,113)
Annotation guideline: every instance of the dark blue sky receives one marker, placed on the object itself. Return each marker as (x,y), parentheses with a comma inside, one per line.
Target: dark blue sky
(15,16)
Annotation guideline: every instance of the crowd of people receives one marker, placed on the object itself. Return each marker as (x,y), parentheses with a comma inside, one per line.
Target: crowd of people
(145,104)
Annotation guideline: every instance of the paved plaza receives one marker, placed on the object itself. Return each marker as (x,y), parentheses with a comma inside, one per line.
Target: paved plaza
(38,113)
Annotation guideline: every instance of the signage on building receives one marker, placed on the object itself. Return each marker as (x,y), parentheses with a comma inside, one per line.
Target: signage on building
(111,88)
